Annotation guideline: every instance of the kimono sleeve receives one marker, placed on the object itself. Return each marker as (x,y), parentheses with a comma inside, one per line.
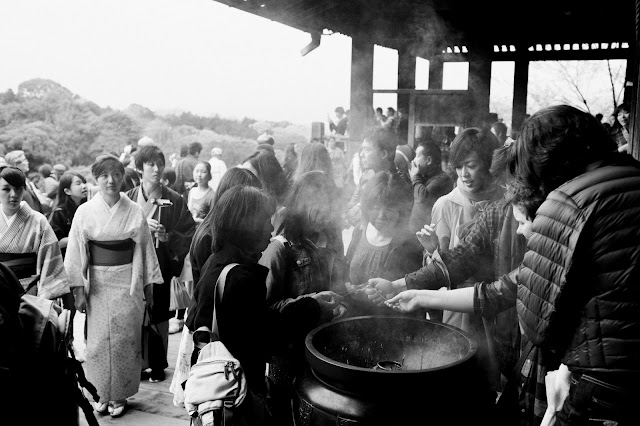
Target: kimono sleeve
(76,261)
(53,277)
(145,253)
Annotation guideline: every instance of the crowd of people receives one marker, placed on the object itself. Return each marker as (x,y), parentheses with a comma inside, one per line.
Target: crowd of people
(527,243)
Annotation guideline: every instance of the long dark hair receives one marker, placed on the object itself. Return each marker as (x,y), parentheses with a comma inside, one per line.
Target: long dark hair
(270,173)
(63,199)
(233,177)
(238,217)
(310,190)
(314,156)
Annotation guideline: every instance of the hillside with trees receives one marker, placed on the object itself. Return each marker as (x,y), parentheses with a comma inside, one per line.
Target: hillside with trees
(53,125)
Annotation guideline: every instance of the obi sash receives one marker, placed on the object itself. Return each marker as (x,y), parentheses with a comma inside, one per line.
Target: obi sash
(111,253)
(23,265)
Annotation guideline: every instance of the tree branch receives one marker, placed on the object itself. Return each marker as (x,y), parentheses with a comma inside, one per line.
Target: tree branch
(613,88)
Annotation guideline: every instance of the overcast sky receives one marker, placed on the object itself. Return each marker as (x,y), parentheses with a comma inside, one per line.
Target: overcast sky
(195,55)
(199,56)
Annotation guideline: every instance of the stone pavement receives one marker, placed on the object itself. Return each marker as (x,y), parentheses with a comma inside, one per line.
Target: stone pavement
(153,404)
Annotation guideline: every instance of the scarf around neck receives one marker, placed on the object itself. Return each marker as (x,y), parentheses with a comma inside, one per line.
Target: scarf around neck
(490,192)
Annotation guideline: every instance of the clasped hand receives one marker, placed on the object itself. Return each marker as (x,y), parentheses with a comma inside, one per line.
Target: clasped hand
(330,302)
(158,229)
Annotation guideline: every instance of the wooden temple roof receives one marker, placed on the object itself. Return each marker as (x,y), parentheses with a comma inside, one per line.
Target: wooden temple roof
(547,29)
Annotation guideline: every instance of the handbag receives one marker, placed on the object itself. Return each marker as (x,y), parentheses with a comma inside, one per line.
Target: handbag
(216,392)
(183,366)
(178,296)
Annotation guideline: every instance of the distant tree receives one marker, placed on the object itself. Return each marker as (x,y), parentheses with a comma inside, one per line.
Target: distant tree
(594,86)
(114,131)
(36,139)
(8,97)
(41,87)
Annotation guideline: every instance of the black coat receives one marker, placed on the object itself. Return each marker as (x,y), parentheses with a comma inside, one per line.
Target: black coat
(180,227)
(579,292)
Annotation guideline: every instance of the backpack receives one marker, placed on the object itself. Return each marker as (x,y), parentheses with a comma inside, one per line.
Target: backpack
(216,385)
(39,374)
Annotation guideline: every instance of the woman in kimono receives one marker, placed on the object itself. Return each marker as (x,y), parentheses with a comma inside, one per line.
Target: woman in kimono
(172,226)
(28,245)
(112,263)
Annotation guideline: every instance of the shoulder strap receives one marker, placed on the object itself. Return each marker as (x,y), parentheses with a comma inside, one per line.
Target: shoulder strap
(219,291)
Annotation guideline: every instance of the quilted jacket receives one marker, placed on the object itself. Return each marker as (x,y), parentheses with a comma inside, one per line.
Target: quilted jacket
(580,279)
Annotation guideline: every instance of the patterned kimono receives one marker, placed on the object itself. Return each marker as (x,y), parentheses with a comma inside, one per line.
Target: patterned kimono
(115,305)
(30,232)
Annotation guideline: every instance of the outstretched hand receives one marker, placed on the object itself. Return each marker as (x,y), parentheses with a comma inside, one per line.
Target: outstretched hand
(428,238)
(379,290)
(404,302)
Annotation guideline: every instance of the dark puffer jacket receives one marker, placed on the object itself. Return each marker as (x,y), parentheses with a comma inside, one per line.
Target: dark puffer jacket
(580,280)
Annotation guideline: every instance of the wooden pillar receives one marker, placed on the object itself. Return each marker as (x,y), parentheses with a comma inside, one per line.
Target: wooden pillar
(406,76)
(520,83)
(634,125)
(435,72)
(480,83)
(361,109)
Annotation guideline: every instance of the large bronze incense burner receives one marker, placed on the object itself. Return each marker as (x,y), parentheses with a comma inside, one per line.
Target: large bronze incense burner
(387,370)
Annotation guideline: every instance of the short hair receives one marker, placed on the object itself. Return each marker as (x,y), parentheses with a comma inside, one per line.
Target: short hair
(526,198)
(207,166)
(12,156)
(314,156)
(310,190)
(106,163)
(622,107)
(391,109)
(45,170)
(431,149)
(14,176)
(500,128)
(65,183)
(379,110)
(340,110)
(470,140)
(555,145)
(184,150)
(148,153)
(170,175)
(195,148)
(386,189)
(383,139)
(238,217)
(599,116)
